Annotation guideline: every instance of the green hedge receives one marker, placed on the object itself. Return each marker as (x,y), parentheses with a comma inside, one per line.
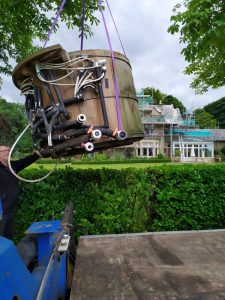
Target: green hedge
(171,197)
(104,162)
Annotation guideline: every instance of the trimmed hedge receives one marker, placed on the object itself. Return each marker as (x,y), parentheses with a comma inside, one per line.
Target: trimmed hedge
(124,161)
(104,162)
(169,197)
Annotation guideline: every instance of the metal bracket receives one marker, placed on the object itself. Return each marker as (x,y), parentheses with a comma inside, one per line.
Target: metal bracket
(64,244)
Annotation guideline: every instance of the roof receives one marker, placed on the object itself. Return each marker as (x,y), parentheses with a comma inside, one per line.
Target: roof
(217,134)
(214,134)
(170,113)
(197,133)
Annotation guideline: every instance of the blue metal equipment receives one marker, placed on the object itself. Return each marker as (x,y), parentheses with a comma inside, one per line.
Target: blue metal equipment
(40,266)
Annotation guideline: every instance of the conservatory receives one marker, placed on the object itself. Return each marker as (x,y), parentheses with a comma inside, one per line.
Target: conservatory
(194,151)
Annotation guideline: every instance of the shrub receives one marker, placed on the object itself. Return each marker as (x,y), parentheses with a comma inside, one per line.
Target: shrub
(169,197)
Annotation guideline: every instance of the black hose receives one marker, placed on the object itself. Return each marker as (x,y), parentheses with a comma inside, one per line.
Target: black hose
(102,100)
(62,105)
(65,135)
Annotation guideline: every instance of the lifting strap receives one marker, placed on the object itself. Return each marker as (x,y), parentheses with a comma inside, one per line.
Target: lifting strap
(54,22)
(115,27)
(82,25)
(118,111)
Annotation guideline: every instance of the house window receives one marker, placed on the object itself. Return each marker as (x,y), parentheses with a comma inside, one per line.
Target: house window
(208,153)
(145,152)
(196,152)
(150,152)
(196,149)
(147,149)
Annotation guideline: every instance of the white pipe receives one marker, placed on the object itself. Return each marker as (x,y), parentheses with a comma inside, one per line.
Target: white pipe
(89,147)
(11,169)
(96,134)
(121,135)
(45,278)
(81,118)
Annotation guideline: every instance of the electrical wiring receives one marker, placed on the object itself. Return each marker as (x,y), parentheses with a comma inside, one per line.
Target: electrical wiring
(11,169)
(27,86)
(84,80)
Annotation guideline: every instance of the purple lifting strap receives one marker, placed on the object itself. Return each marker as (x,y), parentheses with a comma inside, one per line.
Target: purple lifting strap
(82,25)
(114,71)
(115,27)
(54,22)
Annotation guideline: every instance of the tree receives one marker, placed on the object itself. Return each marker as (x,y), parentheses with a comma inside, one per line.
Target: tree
(201,24)
(217,110)
(204,119)
(5,130)
(156,94)
(13,120)
(161,98)
(23,21)
(176,103)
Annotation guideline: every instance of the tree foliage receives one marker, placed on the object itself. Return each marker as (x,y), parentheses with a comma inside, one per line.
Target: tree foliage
(5,130)
(176,103)
(217,109)
(201,24)
(23,21)
(13,120)
(205,119)
(156,94)
(161,98)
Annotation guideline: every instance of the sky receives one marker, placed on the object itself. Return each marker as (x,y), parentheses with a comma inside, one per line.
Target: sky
(154,54)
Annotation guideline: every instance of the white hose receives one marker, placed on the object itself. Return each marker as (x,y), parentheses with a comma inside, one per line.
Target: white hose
(11,169)
(65,64)
(40,67)
(79,82)
(27,86)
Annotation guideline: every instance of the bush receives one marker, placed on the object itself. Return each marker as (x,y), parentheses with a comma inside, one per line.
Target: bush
(170,197)
(118,156)
(221,154)
(177,153)
(99,157)
(161,156)
(44,161)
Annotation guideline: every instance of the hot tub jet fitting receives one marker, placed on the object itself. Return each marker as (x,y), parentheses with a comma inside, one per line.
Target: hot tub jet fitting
(96,134)
(121,135)
(81,119)
(89,147)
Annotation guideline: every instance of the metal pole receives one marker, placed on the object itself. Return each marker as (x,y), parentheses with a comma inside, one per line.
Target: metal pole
(45,278)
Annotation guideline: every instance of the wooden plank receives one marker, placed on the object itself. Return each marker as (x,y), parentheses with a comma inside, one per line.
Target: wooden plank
(174,265)
(26,67)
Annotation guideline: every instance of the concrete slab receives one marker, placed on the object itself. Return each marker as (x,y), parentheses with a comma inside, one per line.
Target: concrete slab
(166,265)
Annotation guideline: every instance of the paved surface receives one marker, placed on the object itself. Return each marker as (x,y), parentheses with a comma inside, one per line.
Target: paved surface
(174,265)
